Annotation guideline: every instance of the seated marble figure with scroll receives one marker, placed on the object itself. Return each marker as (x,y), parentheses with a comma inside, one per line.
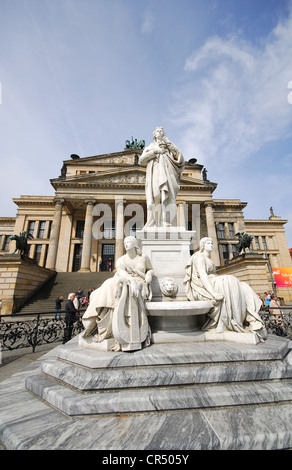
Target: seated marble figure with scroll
(235,305)
(116,318)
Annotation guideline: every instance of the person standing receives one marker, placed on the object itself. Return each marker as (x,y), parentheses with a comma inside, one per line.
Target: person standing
(267,298)
(76,301)
(70,317)
(274,308)
(58,306)
(80,293)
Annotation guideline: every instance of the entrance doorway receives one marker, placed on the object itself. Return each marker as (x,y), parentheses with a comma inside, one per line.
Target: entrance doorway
(77,257)
(108,257)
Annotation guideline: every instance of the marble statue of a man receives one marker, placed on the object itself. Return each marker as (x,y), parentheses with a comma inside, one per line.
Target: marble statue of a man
(165,163)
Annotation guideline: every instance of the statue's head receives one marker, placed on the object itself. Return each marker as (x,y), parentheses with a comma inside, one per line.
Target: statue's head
(158,130)
(203,242)
(132,242)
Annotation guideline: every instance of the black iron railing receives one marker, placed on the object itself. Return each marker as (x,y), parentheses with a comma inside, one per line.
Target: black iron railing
(278,321)
(32,330)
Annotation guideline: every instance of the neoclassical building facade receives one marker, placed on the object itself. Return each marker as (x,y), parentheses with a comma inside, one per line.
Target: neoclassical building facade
(101,199)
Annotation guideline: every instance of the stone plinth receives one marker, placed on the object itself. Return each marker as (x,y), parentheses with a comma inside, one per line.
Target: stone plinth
(249,268)
(171,316)
(169,251)
(19,279)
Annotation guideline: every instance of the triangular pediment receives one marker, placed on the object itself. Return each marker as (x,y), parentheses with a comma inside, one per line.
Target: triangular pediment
(126,157)
(113,177)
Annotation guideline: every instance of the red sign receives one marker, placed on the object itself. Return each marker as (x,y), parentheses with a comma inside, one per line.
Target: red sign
(283,277)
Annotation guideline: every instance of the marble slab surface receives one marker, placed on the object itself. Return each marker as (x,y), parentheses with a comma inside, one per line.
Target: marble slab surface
(86,379)
(179,353)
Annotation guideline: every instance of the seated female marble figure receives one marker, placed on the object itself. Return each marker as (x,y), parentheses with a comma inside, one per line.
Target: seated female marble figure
(235,304)
(116,309)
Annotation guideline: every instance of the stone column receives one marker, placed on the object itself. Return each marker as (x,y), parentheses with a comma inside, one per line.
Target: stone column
(55,232)
(230,252)
(182,214)
(87,237)
(119,209)
(212,232)
(2,242)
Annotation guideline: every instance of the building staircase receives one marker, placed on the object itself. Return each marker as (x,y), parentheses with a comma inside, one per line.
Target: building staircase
(43,301)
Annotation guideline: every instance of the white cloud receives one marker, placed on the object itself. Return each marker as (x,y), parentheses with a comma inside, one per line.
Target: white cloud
(233,99)
(148,21)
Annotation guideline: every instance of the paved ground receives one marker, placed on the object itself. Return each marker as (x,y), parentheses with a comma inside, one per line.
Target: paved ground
(15,361)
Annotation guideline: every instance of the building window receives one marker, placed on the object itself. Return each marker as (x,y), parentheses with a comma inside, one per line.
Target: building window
(6,243)
(231,229)
(42,227)
(225,253)
(109,229)
(108,257)
(264,243)
(37,254)
(80,228)
(49,230)
(77,257)
(256,240)
(221,233)
(31,227)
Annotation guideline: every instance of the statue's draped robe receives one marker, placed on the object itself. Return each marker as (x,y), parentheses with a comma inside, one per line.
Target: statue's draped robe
(239,307)
(98,317)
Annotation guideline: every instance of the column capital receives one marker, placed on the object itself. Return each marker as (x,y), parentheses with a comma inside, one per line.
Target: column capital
(90,201)
(59,200)
(120,200)
(209,204)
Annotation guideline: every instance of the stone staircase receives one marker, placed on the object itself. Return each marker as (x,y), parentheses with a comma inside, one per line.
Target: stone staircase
(43,301)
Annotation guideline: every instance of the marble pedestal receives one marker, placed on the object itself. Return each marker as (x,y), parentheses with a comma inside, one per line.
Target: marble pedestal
(171,316)
(169,251)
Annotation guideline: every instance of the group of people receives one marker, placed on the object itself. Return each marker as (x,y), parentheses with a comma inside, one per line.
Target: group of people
(74,302)
(80,300)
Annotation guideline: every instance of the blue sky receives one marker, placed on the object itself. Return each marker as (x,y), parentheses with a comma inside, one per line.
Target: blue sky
(82,76)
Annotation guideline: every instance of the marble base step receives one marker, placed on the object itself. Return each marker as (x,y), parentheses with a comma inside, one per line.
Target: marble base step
(119,402)
(80,381)
(87,380)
